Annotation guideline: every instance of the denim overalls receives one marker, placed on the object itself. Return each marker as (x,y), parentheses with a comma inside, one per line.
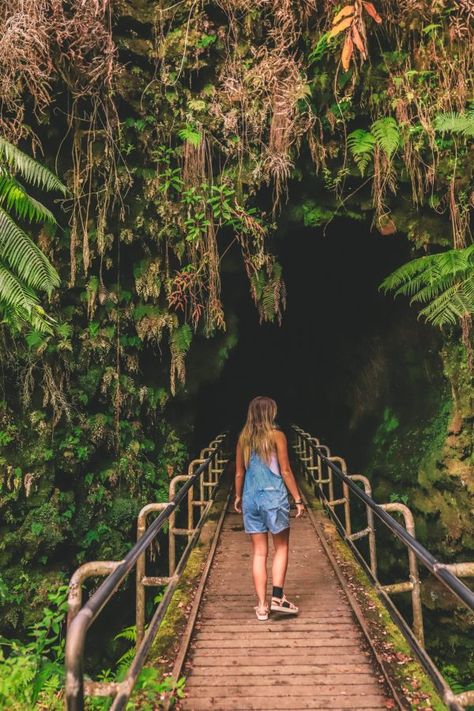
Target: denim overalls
(265,504)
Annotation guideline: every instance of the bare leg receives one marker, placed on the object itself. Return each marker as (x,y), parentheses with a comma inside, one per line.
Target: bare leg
(259,565)
(280,557)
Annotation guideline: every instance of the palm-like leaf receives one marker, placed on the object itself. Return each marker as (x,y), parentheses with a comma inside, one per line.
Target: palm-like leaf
(29,169)
(445,282)
(13,293)
(14,197)
(24,268)
(20,253)
(35,318)
(19,304)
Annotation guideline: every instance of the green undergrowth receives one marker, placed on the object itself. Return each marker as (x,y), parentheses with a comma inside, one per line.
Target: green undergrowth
(33,670)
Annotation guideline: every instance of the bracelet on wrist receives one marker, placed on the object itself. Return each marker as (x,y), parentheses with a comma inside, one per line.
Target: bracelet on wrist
(299,501)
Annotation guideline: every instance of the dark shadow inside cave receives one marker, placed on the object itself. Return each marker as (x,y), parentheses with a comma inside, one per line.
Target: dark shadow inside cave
(335,318)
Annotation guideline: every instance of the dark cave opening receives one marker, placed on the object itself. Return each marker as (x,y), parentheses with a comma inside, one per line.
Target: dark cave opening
(335,313)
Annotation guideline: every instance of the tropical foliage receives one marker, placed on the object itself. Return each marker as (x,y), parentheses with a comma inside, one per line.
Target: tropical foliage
(183,133)
(33,671)
(24,269)
(444,282)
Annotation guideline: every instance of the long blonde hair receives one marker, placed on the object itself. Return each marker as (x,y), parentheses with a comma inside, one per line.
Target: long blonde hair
(257,434)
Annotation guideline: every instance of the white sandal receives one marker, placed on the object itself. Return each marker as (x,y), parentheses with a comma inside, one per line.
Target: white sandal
(262,612)
(283,605)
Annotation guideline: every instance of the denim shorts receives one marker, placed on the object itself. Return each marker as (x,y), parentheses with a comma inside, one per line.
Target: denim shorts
(266,510)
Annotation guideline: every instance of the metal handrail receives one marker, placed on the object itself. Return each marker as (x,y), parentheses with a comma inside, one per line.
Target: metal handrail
(439,570)
(81,622)
(308,448)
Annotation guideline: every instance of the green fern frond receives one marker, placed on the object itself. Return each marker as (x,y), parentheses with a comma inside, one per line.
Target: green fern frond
(361,145)
(450,306)
(181,338)
(14,294)
(47,679)
(128,633)
(455,122)
(14,198)
(24,257)
(456,261)
(405,274)
(189,134)
(429,278)
(387,134)
(125,660)
(17,318)
(444,282)
(29,169)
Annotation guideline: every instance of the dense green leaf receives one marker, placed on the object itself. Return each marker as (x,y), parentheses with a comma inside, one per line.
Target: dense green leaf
(14,293)
(24,257)
(29,169)
(14,197)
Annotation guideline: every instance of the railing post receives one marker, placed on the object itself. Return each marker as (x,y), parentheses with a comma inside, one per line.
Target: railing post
(328,479)
(141,561)
(370,523)
(87,570)
(413,571)
(172,519)
(74,656)
(345,494)
(315,463)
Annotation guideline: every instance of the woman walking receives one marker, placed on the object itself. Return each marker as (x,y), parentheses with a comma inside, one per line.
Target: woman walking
(262,471)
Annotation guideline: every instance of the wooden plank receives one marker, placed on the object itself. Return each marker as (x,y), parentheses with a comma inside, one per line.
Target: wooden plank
(329,671)
(298,656)
(290,625)
(277,691)
(283,703)
(325,663)
(238,616)
(268,637)
(279,641)
(243,653)
(281,688)
(283,677)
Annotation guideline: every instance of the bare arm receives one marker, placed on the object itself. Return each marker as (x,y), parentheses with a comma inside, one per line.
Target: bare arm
(285,468)
(239,476)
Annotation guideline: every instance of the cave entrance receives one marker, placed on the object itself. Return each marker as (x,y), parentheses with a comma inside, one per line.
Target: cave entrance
(335,314)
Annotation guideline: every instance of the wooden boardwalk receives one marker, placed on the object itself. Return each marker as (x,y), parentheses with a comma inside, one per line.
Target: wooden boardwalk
(317,660)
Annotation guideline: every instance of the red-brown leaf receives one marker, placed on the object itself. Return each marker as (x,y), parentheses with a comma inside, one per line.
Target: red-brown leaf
(341,26)
(370,9)
(347,10)
(347,51)
(358,41)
